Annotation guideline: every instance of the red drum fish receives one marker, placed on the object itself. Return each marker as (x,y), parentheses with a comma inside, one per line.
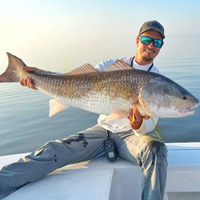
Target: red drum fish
(110,92)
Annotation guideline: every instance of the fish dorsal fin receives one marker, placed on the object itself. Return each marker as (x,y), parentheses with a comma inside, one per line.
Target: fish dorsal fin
(83,69)
(119,65)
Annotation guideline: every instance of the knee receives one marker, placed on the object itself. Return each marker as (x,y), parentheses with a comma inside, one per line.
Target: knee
(46,152)
(157,147)
(155,151)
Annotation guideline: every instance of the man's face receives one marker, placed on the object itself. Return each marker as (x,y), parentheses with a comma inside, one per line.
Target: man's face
(147,53)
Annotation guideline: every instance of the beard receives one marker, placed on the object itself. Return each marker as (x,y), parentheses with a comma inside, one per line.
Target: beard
(147,58)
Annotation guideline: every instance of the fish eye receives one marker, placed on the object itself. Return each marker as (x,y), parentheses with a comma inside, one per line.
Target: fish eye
(184,97)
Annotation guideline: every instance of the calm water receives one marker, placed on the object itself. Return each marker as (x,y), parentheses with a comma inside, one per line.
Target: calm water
(25,125)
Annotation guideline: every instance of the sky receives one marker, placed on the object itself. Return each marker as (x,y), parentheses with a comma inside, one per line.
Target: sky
(69,33)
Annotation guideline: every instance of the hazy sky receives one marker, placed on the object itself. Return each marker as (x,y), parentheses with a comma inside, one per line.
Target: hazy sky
(73,32)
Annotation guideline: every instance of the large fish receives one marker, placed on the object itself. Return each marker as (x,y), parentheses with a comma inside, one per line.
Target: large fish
(111,92)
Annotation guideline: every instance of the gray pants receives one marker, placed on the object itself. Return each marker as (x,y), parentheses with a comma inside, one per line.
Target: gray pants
(148,151)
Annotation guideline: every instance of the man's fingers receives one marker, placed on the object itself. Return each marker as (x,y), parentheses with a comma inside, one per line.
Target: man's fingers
(23,81)
(27,82)
(146,117)
(130,117)
(130,111)
(138,115)
(30,83)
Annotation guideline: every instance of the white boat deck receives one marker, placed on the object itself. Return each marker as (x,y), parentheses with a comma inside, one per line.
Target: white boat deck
(101,180)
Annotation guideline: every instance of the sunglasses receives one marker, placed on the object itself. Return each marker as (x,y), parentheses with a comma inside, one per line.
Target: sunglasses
(147,40)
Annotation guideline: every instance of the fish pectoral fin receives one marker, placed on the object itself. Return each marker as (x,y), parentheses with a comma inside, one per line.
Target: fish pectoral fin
(117,114)
(55,107)
(119,65)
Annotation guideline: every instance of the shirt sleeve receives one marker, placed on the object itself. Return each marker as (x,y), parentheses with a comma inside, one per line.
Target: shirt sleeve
(146,126)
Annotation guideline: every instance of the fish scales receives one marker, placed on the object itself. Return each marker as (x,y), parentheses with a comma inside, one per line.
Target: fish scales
(123,83)
(90,88)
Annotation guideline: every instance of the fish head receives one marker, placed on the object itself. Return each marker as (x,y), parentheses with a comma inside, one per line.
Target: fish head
(163,97)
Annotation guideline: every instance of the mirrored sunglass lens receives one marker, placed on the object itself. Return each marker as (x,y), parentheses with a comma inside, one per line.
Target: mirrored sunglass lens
(146,40)
(157,43)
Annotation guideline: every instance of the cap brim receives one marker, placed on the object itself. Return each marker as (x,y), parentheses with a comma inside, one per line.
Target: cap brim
(155,29)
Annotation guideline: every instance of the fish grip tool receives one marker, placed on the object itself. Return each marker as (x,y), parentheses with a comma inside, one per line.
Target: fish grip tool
(110,149)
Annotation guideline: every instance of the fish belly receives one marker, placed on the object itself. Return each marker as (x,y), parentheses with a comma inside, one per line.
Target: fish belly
(97,103)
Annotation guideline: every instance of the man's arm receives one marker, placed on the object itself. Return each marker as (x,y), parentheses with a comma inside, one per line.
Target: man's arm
(141,124)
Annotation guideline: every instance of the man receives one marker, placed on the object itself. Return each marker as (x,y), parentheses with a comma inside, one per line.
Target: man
(135,139)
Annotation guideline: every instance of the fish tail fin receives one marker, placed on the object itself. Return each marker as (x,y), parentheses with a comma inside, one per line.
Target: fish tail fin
(13,71)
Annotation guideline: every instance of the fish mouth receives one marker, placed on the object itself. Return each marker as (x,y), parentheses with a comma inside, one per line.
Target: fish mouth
(186,112)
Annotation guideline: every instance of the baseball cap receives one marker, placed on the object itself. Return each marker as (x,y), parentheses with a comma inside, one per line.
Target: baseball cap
(152,25)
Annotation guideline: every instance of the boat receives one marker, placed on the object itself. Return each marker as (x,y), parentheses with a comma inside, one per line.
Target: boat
(100,179)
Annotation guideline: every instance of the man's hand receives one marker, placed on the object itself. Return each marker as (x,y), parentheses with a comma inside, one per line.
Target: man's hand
(27,81)
(138,118)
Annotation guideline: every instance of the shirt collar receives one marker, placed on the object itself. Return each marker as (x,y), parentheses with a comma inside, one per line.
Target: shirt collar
(141,67)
